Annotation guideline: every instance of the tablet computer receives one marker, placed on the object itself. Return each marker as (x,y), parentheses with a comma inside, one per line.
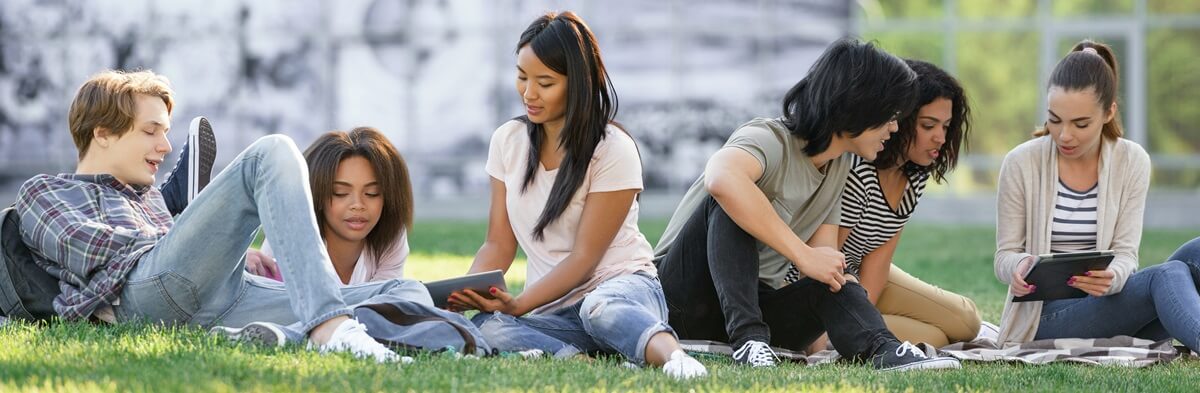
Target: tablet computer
(481,283)
(1051,271)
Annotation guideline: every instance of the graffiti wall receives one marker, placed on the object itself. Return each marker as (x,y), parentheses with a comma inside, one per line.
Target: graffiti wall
(436,76)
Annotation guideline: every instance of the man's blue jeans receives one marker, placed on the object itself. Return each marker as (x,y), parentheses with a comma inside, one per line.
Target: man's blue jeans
(196,273)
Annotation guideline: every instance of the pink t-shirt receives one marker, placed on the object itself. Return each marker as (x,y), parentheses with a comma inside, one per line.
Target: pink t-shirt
(369,269)
(615,166)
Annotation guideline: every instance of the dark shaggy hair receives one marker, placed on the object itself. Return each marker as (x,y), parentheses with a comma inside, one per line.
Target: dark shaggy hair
(852,87)
(932,83)
(326,154)
(563,42)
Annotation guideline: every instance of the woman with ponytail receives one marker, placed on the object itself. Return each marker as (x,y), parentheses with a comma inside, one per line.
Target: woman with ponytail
(565,180)
(1079,186)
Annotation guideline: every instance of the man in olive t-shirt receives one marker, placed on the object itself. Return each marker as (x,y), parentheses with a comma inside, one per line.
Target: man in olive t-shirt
(803,196)
(771,198)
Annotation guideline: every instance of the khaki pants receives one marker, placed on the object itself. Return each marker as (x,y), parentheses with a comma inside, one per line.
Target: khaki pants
(919,312)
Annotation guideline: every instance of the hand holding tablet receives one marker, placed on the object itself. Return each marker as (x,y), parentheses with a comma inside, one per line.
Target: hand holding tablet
(480,283)
(1054,275)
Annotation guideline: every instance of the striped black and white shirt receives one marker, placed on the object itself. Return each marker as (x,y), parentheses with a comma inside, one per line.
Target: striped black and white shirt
(1074,225)
(865,211)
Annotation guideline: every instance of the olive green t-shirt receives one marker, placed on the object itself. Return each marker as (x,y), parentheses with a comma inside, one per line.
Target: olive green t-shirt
(802,195)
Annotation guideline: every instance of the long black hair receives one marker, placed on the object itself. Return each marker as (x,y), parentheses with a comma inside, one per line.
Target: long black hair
(565,44)
(852,87)
(932,83)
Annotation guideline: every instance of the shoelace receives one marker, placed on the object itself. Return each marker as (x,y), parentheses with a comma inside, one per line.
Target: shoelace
(760,353)
(908,347)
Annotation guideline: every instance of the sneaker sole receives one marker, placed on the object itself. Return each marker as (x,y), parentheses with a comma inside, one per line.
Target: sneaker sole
(257,333)
(931,364)
(202,144)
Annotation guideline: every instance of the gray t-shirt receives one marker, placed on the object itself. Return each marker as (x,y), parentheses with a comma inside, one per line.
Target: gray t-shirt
(802,196)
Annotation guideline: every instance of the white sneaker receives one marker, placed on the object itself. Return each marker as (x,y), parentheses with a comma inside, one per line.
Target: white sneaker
(988,330)
(755,354)
(254,332)
(351,336)
(531,354)
(681,366)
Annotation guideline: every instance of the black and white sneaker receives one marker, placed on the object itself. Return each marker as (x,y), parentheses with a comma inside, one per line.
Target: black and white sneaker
(260,333)
(755,354)
(193,170)
(905,356)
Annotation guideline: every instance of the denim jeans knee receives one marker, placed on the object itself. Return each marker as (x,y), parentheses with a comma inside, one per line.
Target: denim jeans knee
(512,334)
(623,313)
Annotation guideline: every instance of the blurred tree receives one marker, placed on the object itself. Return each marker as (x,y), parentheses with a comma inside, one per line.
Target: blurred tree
(1000,74)
(1173,6)
(1091,7)
(1173,91)
(917,45)
(996,9)
(999,68)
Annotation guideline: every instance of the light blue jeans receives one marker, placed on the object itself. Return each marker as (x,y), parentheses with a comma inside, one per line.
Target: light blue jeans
(196,273)
(1158,302)
(619,316)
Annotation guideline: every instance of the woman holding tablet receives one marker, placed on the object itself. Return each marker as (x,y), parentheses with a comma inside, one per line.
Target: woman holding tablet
(1078,186)
(565,181)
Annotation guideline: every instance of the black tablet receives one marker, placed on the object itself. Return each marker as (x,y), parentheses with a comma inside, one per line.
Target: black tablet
(481,283)
(1051,271)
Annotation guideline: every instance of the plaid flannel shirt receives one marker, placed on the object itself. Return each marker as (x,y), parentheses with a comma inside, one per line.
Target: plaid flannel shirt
(89,231)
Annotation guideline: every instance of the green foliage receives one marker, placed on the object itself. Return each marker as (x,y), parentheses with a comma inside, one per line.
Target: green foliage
(996,9)
(1173,94)
(916,9)
(924,46)
(1000,74)
(1173,7)
(1000,67)
(1076,8)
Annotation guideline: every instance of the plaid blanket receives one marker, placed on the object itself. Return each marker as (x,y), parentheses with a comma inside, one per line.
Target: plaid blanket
(1117,351)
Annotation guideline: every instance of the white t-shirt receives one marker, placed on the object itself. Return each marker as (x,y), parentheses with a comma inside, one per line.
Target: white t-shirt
(615,166)
(390,265)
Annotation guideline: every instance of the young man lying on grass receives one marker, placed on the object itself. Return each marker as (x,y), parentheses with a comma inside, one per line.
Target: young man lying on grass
(106,235)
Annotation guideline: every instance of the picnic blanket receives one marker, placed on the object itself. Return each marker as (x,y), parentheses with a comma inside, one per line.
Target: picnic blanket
(1117,351)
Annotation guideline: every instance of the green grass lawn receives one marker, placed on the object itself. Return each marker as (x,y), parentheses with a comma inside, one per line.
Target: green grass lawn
(81,357)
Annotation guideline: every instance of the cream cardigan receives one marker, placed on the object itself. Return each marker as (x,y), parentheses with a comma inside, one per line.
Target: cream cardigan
(1025,208)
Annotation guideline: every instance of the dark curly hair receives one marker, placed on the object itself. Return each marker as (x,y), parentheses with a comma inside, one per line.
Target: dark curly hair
(932,83)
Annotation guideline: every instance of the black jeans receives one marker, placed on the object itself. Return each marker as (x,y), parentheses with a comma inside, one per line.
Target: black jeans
(710,279)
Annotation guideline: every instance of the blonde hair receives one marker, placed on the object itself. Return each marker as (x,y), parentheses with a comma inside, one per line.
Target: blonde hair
(106,100)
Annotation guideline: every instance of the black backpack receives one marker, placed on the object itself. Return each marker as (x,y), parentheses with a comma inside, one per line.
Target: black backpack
(26,290)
